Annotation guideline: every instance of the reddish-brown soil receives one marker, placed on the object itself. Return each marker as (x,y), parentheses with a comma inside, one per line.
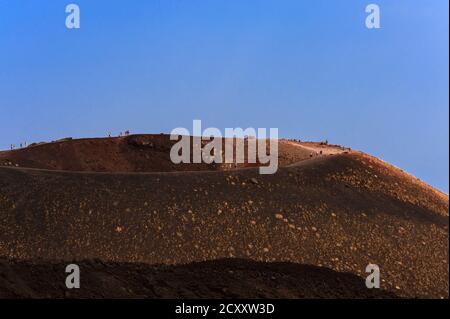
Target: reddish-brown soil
(135,153)
(125,204)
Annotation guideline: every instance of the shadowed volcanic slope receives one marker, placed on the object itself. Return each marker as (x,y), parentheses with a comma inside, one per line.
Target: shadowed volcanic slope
(227,278)
(340,211)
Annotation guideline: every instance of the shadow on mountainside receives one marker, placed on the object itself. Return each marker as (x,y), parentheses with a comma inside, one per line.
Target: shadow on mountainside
(224,278)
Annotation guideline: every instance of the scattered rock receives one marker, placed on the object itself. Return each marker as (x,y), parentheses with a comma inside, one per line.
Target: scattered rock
(119,229)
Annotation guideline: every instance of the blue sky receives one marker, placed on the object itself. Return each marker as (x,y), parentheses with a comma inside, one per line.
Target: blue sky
(310,68)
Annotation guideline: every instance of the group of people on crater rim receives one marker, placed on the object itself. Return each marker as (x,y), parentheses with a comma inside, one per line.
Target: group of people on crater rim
(126,133)
(21,145)
(24,144)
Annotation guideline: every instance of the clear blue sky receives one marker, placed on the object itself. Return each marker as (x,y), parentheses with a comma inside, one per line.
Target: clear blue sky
(310,68)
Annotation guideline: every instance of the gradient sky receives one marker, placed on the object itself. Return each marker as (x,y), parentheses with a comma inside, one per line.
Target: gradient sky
(310,68)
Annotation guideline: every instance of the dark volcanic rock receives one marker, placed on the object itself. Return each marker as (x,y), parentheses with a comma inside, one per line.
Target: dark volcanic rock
(227,278)
(339,211)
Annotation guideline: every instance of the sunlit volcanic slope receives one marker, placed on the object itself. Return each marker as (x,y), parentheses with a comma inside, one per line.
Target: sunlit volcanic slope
(340,211)
(135,153)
